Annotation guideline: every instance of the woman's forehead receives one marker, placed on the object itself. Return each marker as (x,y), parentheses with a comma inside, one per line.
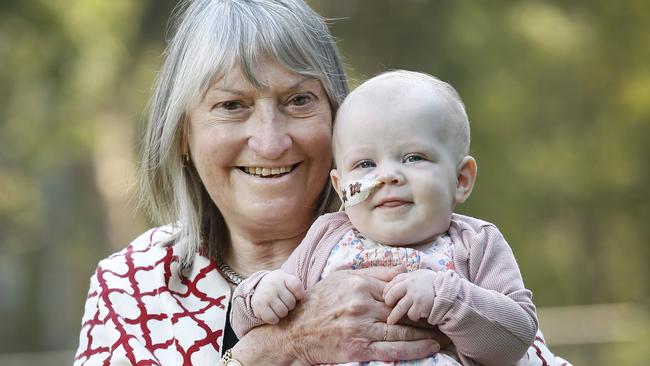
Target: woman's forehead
(267,74)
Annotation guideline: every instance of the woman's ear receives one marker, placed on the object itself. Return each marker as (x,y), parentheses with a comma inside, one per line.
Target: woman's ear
(466,177)
(185,144)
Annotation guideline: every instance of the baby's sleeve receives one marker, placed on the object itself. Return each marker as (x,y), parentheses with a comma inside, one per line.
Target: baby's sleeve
(242,319)
(489,317)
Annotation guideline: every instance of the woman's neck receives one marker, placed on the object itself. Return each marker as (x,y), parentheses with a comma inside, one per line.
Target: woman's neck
(246,255)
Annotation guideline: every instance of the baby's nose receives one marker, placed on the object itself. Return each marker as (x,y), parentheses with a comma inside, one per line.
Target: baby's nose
(391,178)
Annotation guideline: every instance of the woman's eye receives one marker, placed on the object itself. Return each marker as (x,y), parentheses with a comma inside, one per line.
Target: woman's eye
(366,164)
(231,105)
(412,158)
(300,99)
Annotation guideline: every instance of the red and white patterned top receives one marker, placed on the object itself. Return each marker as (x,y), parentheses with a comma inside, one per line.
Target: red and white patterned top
(141,310)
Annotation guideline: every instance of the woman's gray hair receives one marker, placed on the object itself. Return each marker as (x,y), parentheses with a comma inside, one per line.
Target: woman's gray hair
(210,38)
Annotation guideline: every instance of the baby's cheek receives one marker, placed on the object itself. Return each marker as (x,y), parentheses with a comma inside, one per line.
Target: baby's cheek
(361,219)
(357,216)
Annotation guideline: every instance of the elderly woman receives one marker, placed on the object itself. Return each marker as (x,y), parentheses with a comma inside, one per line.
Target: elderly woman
(236,156)
(235,160)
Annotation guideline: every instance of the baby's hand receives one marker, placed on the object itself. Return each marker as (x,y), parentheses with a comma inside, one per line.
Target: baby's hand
(410,294)
(275,295)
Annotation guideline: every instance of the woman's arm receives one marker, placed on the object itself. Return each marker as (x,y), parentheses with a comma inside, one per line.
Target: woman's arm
(342,319)
(104,336)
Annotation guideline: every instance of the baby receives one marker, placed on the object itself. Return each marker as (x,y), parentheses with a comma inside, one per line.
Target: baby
(401,145)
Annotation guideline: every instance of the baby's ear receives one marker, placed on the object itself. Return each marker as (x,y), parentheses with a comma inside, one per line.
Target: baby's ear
(336,181)
(334,177)
(466,177)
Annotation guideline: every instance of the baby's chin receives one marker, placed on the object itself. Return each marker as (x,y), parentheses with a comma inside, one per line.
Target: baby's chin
(402,239)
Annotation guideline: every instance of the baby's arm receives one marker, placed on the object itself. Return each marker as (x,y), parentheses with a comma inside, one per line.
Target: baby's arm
(490,316)
(490,319)
(276,295)
(263,298)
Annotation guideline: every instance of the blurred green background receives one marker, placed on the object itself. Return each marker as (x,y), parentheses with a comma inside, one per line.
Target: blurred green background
(559,97)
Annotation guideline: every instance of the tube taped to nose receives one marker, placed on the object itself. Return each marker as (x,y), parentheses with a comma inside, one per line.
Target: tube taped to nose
(358,190)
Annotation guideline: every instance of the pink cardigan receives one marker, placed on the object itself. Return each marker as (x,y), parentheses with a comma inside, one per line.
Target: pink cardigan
(482,306)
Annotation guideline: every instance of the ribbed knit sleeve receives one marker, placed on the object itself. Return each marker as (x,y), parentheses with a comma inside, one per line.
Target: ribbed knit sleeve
(489,316)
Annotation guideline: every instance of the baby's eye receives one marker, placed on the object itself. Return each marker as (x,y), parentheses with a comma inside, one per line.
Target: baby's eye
(365,164)
(411,158)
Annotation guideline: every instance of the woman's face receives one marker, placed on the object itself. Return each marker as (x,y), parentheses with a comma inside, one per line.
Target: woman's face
(263,154)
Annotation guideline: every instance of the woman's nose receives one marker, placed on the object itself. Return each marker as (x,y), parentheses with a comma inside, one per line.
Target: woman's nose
(269,137)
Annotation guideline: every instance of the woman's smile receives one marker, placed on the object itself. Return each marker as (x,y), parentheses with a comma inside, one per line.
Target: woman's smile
(280,176)
(267,172)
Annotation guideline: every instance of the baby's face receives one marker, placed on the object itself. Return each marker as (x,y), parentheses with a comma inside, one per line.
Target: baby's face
(405,142)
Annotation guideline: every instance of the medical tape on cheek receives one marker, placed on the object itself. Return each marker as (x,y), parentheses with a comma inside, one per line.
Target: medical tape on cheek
(358,190)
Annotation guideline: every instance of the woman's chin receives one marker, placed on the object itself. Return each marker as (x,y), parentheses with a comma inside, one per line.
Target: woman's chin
(279,214)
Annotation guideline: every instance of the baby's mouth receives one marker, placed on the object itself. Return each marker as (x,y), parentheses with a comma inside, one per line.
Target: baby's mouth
(267,172)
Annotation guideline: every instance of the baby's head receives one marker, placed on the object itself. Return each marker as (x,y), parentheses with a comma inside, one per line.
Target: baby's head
(402,137)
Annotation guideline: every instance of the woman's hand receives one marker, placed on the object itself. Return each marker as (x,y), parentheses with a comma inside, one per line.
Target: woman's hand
(343,319)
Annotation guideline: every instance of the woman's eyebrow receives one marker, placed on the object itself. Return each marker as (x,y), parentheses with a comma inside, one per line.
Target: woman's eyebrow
(240,92)
(295,85)
(226,90)
(300,82)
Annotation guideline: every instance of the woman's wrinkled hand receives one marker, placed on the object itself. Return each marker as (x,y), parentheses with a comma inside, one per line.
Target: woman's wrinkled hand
(343,319)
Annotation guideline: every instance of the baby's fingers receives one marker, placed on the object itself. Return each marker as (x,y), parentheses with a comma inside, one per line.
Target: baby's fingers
(418,311)
(288,298)
(267,315)
(294,285)
(280,310)
(396,280)
(399,310)
(393,292)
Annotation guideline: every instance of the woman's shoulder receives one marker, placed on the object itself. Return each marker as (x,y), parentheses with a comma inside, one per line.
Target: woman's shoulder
(145,250)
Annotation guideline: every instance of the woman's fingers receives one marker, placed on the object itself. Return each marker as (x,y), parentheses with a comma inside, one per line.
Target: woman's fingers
(400,350)
(364,280)
(399,333)
(382,273)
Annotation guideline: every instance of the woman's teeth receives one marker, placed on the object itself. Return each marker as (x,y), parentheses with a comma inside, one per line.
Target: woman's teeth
(265,172)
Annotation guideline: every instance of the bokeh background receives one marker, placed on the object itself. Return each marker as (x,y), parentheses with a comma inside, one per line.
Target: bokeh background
(559,97)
